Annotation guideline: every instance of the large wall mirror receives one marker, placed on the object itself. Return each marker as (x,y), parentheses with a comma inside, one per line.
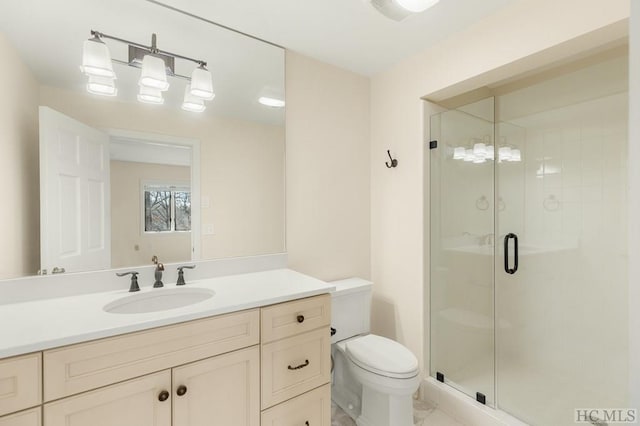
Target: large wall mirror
(104,170)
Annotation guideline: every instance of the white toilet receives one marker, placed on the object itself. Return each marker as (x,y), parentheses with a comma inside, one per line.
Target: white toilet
(374,378)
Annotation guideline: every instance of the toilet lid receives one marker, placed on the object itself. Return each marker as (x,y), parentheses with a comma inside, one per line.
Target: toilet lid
(382,356)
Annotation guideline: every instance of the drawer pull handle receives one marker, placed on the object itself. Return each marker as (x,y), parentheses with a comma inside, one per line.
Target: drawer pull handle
(163,396)
(300,318)
(306,423)
(298,367)
(182,389)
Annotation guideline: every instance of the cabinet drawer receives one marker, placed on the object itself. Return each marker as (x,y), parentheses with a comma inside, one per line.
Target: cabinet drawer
(313,409)
(31,417)
(20,383)
(295,365)
(299,316)
(86,366)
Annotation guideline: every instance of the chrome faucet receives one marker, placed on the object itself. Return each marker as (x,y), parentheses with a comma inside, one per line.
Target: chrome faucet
(134,280)
(158,272)
(181,274)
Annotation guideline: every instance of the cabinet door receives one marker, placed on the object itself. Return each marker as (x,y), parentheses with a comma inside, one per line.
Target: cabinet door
(136,402)
(220,391)
(25,418)
(20,383)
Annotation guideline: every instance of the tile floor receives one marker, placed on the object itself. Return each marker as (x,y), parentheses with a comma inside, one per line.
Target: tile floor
(424,414)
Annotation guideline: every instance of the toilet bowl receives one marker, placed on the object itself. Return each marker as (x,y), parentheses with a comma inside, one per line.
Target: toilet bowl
(374,378)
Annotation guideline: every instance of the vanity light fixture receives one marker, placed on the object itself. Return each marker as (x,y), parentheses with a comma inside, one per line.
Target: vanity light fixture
(156,66)
(482,151)
(150,95)
(96,59)
(104,86)
(154,74)
(202,83)
(271,102)
(192,103)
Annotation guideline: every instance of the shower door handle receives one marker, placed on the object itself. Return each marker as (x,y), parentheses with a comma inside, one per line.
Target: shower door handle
(506,253)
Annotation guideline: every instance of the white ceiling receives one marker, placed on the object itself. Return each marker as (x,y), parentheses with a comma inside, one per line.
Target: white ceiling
(348,33)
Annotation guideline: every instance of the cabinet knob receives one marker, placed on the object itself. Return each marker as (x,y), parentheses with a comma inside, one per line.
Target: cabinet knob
(182,389)
(163,396)
(300,318)
(306,423)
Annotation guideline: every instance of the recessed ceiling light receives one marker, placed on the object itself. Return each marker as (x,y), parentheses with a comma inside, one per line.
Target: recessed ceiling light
(416,6)
(399,10)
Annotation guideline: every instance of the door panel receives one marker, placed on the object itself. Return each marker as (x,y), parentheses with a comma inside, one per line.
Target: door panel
(31,417)
(220,391)
(462,248)
(132,403)
(562,316)
(74,194)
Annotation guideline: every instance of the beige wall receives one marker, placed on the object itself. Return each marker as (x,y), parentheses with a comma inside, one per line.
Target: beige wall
(129,244)
(328,192)
(19,218)
(500,41)
(242,167)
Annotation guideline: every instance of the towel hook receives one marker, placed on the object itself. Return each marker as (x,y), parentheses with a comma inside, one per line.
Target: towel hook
(394,162)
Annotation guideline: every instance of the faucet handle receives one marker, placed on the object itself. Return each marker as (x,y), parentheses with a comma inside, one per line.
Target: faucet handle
(181,273)
(134,280)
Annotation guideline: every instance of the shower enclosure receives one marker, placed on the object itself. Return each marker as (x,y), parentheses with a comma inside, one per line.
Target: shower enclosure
(528,283)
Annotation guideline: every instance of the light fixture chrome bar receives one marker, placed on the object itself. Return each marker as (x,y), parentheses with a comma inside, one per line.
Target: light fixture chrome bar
(180,76)
(152,49)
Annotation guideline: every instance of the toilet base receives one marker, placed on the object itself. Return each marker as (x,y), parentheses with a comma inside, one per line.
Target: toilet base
(382,409)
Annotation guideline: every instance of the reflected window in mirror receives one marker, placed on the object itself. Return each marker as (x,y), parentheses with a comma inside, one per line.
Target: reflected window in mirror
(167,208)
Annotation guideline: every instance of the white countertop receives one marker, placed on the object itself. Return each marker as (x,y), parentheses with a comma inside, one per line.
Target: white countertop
(44,324)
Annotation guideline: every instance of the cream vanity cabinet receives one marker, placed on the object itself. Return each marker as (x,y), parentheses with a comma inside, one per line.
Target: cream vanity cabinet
(20,389)
(296,363)
(207,372)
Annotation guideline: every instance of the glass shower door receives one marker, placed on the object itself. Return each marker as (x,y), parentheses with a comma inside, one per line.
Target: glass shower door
(462,249)
(561,326)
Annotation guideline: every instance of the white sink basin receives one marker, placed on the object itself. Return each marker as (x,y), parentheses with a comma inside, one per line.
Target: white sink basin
(158,300)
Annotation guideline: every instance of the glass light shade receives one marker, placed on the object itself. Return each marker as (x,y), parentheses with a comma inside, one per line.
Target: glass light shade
(104,86)
(154,73)
(271,102)
(490,153)
(149,95)
(504,153)
(480,150)
(468,155)
(416,6)
(96,59)
(202,84)
(192,103)
(458,153)
(515,155)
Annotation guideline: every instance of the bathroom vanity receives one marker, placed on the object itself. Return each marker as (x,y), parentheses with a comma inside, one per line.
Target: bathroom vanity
(257,352)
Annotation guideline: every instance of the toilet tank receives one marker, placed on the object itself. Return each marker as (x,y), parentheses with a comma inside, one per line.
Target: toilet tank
(350,308)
